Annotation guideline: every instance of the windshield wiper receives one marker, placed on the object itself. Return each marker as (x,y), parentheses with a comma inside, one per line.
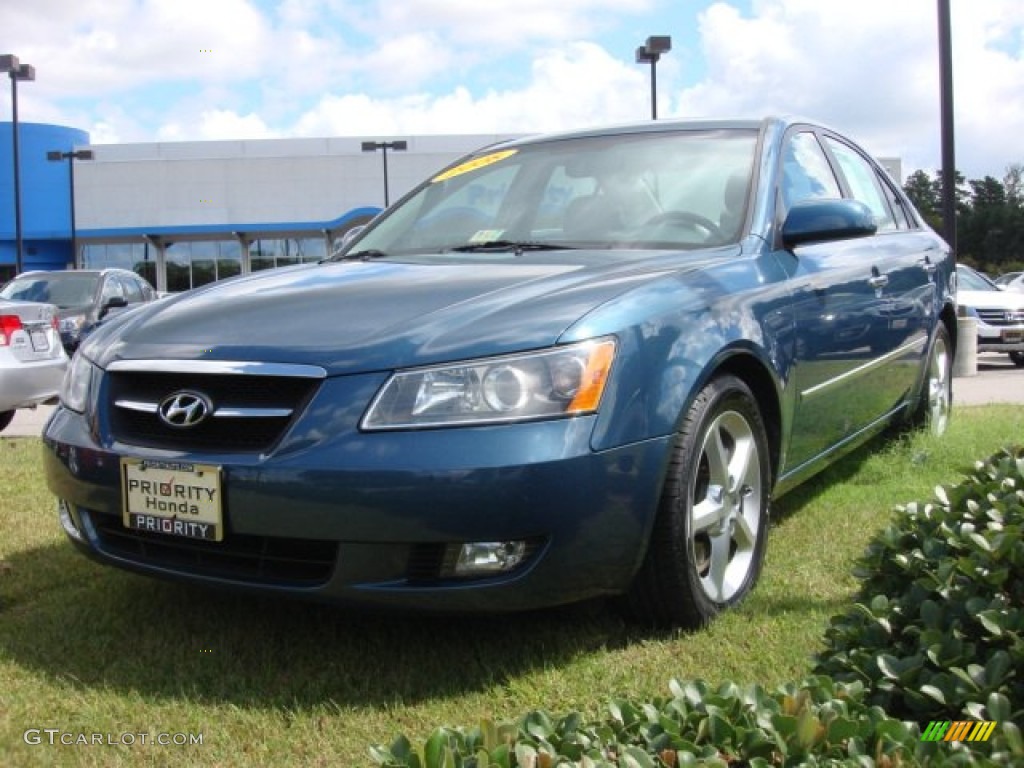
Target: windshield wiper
(370,253)
(508,245)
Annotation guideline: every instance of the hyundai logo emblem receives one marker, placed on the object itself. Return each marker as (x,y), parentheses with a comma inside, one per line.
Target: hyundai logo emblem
(184,409)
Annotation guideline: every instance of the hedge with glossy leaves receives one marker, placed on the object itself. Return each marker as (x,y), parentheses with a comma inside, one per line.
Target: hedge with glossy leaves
(938,630)
(937,633)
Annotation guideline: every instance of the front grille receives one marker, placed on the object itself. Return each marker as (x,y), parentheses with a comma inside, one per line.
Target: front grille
(240,557)
(427,562)
(999,317)
(260,407)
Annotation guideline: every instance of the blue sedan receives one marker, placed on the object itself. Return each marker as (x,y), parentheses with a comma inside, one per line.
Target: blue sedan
(566,366)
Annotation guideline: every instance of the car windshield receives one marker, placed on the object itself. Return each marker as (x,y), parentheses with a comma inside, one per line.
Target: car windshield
(969,280)
(672,189)
(67,289)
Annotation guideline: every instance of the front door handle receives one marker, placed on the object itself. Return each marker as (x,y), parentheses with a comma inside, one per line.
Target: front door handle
(878,281)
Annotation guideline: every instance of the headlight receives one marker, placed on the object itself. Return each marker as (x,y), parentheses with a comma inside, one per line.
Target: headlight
(74,392)
(567,381)
(72,324)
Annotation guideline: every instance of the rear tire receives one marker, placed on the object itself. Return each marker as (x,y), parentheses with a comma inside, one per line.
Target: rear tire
(6,417)
(707,546)
(1018,359)
(936,399)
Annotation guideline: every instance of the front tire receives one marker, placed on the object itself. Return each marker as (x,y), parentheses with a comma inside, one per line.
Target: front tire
(707,545)
(6,417)
(1017,358)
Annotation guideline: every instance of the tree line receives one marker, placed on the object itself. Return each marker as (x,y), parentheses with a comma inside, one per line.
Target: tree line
(989,216)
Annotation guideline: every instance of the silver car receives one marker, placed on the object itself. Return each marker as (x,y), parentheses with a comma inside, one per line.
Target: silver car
(1000,313)
(32,359)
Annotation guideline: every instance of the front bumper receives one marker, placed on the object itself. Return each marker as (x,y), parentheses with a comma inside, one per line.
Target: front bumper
(370,519)
(1000,339)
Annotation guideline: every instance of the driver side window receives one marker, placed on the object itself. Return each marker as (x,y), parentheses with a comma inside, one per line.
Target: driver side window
(111,289)
(806,173)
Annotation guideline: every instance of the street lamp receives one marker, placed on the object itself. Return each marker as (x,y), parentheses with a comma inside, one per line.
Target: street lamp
(384,146)
(58,156)
(17,71)
(946,121)
(651,51)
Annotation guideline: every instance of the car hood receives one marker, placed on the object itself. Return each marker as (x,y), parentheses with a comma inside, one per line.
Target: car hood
(352,317)
(990,299)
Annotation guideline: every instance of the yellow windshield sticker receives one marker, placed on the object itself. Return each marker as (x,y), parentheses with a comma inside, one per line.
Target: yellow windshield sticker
(487,235)
(472,165)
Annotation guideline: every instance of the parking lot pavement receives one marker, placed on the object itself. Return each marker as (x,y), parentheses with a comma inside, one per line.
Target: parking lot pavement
(28,422)
(998,381)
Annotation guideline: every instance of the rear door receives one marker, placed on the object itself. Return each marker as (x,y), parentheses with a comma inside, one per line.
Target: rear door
(906,259)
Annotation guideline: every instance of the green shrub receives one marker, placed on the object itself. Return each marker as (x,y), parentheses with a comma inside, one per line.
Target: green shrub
(937,634)
(938,629)
(816,723)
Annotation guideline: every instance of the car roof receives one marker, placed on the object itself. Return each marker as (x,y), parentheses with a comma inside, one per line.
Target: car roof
(104,271)
(655,126)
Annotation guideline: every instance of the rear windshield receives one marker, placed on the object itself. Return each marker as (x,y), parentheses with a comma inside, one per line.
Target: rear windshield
(64,290)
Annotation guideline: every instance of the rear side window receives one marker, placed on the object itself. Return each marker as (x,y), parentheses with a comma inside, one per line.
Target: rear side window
(864,183)
(146,289)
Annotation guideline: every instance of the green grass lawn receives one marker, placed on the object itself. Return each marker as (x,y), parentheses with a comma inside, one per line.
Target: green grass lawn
(86,649)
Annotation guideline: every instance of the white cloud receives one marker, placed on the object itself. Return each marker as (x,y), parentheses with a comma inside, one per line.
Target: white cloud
(407,62)
(504,24)
(869,68)
(224,124)
(572,87)
(95,48)
(136,70)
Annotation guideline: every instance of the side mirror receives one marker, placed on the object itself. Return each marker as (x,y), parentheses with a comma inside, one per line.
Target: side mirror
(822,220)
(114,302)
(351,234)
(348,237)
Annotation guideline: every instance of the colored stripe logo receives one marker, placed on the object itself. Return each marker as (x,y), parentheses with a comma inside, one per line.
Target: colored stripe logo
(958,730)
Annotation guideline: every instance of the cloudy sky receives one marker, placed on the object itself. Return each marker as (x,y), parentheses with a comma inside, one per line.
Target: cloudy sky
(173,70)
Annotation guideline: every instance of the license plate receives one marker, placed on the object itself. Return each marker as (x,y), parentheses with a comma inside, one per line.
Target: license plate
(172,498)
(1013,337)
(40,343)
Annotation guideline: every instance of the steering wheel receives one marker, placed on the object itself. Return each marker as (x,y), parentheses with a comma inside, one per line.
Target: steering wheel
(695,220)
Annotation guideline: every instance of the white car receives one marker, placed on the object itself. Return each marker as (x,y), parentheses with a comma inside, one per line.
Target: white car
(32,358)
(1013,282)
(1000,313)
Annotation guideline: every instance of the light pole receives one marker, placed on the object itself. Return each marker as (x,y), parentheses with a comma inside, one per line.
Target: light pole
(946,108)
(57,156)
(651,51)
(384,146)
(17,71)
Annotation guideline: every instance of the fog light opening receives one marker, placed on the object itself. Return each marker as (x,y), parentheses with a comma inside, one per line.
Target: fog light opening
(67,522)
(483,558)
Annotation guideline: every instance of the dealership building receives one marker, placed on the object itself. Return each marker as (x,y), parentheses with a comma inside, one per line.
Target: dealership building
(187,213)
